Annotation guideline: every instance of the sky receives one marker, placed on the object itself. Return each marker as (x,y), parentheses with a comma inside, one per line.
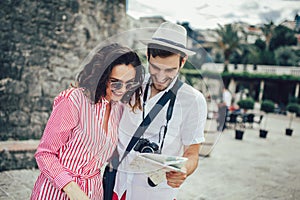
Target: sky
(208,14)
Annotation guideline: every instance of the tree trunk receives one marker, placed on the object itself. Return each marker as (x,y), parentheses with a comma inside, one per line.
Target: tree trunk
(291,120)
(226,62)
(265,124)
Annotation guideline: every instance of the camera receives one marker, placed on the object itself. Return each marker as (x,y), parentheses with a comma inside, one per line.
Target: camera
(145,146)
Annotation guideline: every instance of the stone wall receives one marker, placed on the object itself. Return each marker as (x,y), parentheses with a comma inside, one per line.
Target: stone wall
(42,44)
(10,160)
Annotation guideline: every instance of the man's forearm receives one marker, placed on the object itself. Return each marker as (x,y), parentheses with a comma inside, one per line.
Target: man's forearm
(192,153)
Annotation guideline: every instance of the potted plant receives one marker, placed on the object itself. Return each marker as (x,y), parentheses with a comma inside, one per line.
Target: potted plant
(239,130)
(293,108)
(244,104)
(267,106)
(239,134)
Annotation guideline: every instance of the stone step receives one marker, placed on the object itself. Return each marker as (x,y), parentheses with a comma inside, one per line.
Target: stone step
(18,154)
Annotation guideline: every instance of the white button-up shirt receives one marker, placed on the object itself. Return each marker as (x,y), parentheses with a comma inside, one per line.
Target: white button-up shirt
(185,128)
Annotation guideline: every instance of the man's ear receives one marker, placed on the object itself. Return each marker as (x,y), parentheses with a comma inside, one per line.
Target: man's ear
(183,61)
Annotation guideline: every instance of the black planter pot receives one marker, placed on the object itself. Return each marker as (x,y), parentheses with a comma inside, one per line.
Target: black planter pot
(263,133)
(239,134)
(289,131)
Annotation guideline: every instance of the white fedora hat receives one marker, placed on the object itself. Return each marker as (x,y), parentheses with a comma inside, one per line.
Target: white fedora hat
(170,35)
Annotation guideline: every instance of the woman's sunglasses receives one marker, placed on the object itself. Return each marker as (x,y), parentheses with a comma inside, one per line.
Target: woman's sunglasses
(117,85)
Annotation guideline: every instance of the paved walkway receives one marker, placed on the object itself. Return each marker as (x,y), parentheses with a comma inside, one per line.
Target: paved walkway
(251,169)
(248,169)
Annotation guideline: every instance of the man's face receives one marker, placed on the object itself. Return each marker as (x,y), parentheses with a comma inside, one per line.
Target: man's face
(163,70)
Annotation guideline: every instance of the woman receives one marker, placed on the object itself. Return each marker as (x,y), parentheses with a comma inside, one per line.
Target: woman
(81,133)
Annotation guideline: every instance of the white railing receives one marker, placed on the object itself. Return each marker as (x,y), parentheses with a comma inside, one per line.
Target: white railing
(264,69)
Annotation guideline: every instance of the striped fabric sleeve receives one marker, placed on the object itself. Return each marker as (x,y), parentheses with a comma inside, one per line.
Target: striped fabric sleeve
(63,120)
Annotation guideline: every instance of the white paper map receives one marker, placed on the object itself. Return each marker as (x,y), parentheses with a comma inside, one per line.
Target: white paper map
(149,162)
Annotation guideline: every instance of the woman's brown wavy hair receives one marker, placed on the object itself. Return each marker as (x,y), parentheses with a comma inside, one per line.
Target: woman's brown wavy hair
(96,73)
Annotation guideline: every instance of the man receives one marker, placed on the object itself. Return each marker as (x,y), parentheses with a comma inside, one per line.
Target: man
(224,107)
(166,54)
(227,97)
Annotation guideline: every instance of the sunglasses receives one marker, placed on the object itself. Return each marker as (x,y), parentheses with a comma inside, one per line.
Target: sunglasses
(117,85)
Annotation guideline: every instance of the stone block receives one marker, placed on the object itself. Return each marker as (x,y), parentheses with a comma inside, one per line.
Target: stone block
(19,118)
(18,155)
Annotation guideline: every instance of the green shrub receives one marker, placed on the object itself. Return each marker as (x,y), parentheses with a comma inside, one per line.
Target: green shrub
(247,103)
(293,107)
(267,106)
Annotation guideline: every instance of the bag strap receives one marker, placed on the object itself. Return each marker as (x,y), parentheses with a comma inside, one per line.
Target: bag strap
(152,114)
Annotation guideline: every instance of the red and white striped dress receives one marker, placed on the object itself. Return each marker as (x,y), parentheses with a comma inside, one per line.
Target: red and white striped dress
(75,146)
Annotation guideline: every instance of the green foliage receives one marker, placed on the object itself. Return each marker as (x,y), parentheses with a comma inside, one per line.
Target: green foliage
(286,56)
(247,103)
(267,106)
(235,58)
(259,43)
(293,107)
(262,52)
(218,57)
(253,57)
(245,75)
(293,99)
(282,36)
(267,58)
(228,40)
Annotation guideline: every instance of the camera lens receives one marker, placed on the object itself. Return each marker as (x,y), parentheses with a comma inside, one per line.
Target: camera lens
(150,182)
(147,149)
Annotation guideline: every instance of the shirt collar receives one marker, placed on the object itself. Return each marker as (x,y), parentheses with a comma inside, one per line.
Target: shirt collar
(104,100)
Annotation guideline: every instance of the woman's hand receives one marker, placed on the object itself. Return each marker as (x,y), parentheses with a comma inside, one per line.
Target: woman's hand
(74,192)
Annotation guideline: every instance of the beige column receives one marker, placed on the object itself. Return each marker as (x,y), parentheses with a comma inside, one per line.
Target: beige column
(261,90)
(232,86)
(297,90)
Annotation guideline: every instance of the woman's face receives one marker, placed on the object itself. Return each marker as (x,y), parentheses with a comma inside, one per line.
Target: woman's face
(121,80)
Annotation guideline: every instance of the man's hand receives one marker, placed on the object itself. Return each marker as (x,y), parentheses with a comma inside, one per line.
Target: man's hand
(74,192)
(175,179)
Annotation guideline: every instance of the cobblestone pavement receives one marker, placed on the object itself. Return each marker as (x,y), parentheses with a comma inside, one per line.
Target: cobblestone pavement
(250,169)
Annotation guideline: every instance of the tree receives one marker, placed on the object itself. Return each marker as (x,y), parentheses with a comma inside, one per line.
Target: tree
(293,108)
(268,107)
(218,57)
(249,55)
(267,30)
(228,40)
(282,36)
(259,43)
(286,56)
(254,55)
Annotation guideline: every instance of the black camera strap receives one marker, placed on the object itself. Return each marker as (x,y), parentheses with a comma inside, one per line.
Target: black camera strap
(168,117)
(170,95)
